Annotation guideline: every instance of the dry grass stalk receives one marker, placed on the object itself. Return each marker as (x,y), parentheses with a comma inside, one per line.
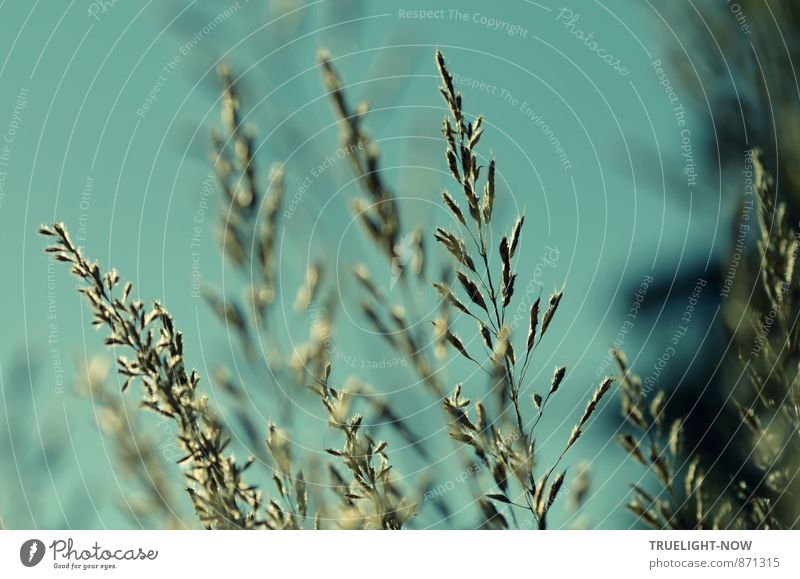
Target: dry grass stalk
(248,218)
(217,489)
(489,298)
(369,497)
(378,213)
(675,506)
(486,297)
(152,503)
(769,409)
(372,499)
(220,496)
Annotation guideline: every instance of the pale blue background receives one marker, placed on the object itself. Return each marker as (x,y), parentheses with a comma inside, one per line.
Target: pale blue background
(612,217)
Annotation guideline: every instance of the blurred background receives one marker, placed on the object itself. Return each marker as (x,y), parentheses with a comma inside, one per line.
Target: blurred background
(620,129)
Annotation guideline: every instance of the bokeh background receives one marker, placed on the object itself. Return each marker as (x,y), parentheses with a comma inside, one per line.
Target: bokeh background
(106,110)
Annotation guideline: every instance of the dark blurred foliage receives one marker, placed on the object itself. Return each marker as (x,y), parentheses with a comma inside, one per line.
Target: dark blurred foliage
(737,70)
